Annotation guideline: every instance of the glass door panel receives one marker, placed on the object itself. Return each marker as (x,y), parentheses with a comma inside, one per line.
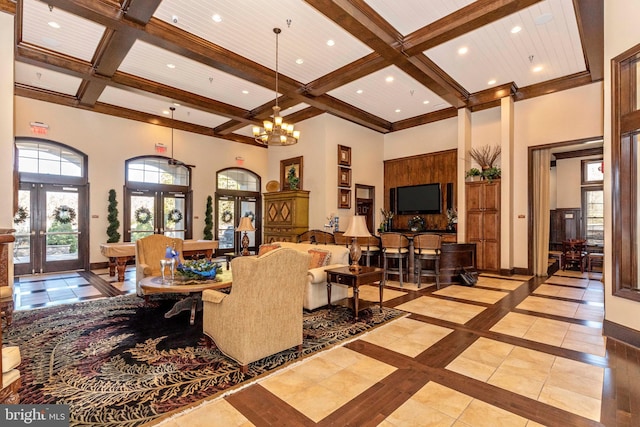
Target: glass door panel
(142,215)
(248,208)
(61,225)
(22,223)
(173,215)
(226,224)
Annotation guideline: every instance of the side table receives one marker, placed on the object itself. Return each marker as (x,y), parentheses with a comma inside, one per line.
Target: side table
(354,279)
(231,255)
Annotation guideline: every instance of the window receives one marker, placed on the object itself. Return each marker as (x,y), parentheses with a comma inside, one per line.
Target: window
(46,158)
(156,171)
(593,206)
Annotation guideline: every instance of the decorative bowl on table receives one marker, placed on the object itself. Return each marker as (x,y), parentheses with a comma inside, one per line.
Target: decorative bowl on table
(199,269)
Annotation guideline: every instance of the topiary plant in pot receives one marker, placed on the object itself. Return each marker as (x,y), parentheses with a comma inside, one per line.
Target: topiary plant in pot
(112,217)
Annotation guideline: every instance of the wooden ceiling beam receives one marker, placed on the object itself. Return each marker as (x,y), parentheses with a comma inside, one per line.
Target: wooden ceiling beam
(590,18)
(469,18)
(8,6)
(350,72)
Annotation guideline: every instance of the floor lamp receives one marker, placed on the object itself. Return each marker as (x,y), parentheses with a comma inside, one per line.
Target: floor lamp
(245,226)
(357,228)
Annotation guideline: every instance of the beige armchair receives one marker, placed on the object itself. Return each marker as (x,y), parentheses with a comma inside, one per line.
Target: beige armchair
(149,251)
(263,313)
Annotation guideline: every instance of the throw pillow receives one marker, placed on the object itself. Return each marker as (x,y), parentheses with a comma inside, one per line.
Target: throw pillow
(267,247)
(319,258)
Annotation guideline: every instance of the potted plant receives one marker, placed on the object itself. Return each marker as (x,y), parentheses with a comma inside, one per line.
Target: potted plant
(485,156)
(293,179)
(208,220)
(112,218)
(474,174)
(492,173)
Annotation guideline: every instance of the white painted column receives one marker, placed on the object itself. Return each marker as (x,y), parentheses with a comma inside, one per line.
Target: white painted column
(6,119)
(464,164)
(506,196)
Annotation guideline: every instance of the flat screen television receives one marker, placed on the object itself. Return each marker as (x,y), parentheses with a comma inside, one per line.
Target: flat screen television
(419,199)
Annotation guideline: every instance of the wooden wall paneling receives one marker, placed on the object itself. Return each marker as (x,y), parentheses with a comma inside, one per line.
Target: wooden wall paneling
(422,169)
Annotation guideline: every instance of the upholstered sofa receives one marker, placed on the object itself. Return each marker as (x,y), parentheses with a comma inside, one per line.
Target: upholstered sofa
(315,294)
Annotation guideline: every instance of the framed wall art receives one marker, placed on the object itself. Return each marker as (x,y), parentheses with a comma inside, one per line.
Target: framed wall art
(344,155)
(344,177)
(285,167)
(344,198)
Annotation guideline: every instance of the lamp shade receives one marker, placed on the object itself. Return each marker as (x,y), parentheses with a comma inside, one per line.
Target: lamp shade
(357,227)
(245,224)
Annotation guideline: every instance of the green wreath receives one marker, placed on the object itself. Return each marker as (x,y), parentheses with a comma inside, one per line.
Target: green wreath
(143,215)
(250,215)
(175,216)
(64,214)
(21,215)
(227,216)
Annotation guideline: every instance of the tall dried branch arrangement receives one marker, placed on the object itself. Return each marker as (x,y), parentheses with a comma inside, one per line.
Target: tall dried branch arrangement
(486,155)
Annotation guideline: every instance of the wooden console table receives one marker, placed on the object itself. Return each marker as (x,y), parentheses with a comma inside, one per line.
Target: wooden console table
(121,253)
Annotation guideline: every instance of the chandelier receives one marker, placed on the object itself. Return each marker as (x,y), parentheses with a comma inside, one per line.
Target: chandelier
(276,132)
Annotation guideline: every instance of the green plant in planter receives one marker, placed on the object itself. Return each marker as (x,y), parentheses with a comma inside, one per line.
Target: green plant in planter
(473,172)
(293,179)
(112,218)
(492,173)
(208,220)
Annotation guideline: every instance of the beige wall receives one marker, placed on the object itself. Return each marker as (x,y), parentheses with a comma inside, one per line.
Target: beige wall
(320,138)
(621,32)
(109,141)
(6,120)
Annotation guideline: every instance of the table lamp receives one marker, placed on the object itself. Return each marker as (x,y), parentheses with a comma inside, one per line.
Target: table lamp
(245,225)
(357,228)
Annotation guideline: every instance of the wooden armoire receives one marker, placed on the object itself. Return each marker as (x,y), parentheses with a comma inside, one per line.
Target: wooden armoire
(483,222)
(286,215)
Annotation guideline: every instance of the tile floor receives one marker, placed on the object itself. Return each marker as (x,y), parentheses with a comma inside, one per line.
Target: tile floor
(495,354)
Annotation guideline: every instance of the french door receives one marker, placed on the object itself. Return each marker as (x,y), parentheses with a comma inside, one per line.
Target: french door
(51,232)
(156,212)
(230,209)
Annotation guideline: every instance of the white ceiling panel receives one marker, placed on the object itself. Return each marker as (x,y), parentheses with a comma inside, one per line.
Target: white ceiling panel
(246,28)
(396,100)
(42,78)
(76,37)
(159,107)
(407,16)
(549,38)
(149,62)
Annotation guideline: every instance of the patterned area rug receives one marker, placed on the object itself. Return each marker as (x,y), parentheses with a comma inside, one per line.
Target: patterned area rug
(117,362)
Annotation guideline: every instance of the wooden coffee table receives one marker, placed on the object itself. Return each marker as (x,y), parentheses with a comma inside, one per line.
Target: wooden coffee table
(354,279)
(153,285)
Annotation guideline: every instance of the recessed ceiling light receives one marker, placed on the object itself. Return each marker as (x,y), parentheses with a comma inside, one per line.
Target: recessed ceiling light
(176,104)
(330,42)
(245,92)
(216,18)
(425,102)
(54,24)
(299,61)
(463,50)
(172,66)
(516,29)
(389,79)
(359,91)
(165,112)
(398,110)
(537,68)
(491,82)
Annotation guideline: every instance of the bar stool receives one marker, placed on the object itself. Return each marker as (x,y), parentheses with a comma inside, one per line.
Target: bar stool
(427,247)
(394,246)
(370,248)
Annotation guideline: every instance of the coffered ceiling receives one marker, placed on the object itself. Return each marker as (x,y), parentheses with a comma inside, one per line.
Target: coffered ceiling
(384,64)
